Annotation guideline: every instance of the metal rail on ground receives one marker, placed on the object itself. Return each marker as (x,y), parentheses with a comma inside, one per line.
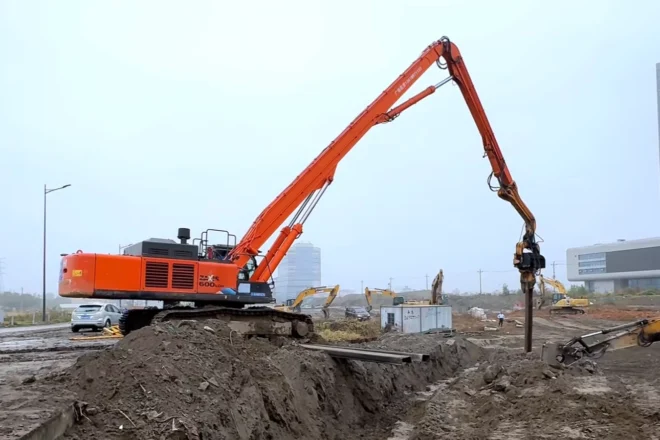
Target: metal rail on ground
(368,355)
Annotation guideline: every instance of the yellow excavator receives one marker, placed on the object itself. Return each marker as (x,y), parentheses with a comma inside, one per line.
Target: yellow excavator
(641,333)
(436,292)
(396,300)
(437,298)
(293,305)
(561,303)
(436,289)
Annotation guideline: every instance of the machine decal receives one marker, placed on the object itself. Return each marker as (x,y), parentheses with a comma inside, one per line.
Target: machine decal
(207,280)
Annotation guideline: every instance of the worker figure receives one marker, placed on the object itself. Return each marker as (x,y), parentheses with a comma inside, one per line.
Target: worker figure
(500,319)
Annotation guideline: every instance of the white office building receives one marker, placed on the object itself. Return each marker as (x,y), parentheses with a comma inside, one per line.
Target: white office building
(614,266)
(299,270)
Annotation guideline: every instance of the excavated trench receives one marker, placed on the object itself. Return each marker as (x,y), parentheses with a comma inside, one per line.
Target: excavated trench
(203,381)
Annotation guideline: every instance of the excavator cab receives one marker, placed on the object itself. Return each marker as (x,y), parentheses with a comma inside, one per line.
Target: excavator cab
(556,297)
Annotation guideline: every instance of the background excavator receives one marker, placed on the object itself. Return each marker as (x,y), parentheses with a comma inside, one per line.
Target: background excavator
(436,288)
(293,305)
(385,292)
(221,279)
(560,302)
(642,333)
(436,294)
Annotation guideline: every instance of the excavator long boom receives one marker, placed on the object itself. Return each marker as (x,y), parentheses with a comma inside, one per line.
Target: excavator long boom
(436,288)
(553,283)
(333,291)
(305,191)
(369,292)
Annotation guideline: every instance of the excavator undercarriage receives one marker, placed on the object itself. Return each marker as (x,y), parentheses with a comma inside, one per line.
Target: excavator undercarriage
(261,321)
(567,311)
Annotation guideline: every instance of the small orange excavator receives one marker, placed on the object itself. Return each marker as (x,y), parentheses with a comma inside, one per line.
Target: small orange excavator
(221,279)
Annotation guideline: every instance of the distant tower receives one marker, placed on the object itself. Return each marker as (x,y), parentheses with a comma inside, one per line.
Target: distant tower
(299,269)
(657,86)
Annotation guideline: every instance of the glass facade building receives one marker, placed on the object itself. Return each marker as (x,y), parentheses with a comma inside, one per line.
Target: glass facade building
(299,269)
(611,267)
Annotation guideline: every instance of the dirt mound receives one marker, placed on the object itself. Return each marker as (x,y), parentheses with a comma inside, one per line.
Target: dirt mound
(199,380)
(349,330)
(520,397)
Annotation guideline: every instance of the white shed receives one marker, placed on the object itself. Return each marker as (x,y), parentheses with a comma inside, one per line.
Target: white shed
(416,318)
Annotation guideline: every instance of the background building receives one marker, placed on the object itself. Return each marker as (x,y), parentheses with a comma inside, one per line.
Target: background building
(615,266)
(299,269)
(657,83)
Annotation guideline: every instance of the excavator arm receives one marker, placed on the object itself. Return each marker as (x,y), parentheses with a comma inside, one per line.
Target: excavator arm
(326,306)
(554,283)
(332,291)
(550,282)
(333,294)
(436,288)
(642,333)
(369,292)
(311,291)
(303,194)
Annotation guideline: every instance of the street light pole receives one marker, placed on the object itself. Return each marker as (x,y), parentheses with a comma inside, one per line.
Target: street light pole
(43,274)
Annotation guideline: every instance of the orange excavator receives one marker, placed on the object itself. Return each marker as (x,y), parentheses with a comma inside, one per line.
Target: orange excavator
(221,279)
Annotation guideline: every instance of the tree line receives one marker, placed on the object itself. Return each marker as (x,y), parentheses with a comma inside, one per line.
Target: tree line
(13,301)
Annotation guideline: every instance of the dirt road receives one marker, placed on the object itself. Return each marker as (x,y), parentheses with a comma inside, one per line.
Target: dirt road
(27,355)
(200,380)
(616,399)
(32,329)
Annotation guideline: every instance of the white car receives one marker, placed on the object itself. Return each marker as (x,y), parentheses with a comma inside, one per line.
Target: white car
(94,316)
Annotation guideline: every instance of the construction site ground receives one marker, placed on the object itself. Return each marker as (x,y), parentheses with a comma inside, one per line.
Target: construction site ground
(200,380)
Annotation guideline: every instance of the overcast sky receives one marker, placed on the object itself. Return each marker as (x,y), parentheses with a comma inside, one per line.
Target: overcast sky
(162,116)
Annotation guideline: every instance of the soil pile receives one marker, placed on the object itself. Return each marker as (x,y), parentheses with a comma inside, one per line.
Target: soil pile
(348,330)
(520,397)
(199,380)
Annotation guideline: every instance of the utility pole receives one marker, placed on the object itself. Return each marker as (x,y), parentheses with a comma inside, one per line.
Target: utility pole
(390,284)
(43,273)
(480,272)
(554,263)
(427,281)
(2,273)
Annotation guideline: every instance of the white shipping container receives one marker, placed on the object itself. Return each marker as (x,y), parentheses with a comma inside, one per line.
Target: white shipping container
(416,319)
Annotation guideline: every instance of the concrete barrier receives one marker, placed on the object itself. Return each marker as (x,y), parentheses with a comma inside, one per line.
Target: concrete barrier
(54,427)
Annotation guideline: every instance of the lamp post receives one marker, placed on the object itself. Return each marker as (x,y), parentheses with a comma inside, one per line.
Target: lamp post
(43,305)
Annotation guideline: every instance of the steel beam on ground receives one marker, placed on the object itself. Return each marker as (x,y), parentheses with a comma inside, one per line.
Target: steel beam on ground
(419,357)
(360,355)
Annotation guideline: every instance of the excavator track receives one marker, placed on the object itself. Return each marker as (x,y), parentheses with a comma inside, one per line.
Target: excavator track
(567,311)
(262,321)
